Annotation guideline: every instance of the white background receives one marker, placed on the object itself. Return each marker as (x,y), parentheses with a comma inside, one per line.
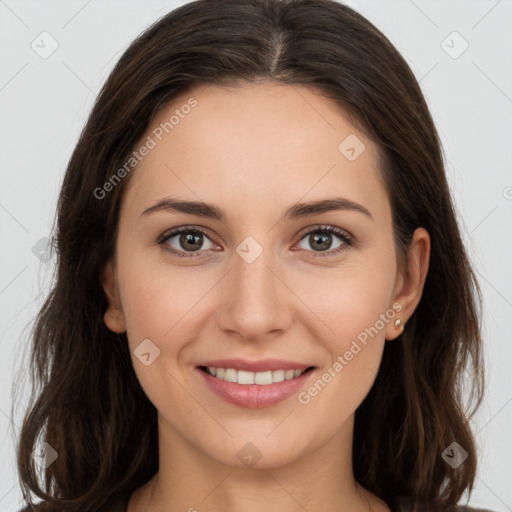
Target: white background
(45,102)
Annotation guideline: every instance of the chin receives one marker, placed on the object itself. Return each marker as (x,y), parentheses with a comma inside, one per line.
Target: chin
(257,452)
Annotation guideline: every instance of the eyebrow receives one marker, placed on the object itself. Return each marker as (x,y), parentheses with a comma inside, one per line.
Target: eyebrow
(296,211)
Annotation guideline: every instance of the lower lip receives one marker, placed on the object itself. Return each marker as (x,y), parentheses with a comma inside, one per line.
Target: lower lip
(255,396)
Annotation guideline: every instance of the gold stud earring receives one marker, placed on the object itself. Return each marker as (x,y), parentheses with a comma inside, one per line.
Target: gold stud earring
(399,324)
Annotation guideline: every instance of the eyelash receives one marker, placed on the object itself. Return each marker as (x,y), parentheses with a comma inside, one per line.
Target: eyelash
(347,240)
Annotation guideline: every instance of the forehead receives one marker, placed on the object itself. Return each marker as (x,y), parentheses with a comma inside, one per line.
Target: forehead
(255,147)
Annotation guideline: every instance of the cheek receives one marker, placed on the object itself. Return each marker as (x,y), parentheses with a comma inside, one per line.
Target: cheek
(160,308)
(148,305)
(161,303)
(167,306)
(355,299)
(352,313)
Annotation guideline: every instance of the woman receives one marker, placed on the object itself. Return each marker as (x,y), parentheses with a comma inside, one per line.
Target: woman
(262,298)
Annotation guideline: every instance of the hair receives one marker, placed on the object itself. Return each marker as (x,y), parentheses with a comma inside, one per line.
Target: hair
(86,401)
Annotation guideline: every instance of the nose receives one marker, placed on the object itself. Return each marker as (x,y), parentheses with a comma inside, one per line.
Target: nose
(256,304)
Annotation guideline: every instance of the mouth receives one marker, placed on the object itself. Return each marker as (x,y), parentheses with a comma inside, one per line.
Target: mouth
(255,389)
(262,378)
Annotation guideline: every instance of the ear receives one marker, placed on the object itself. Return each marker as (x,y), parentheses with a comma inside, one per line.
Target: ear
(113,318)
(410,282)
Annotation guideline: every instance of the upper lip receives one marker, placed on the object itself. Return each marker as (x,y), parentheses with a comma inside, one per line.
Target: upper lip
(256,366)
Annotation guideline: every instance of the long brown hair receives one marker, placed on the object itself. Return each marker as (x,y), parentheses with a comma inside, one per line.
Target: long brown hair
(86,401)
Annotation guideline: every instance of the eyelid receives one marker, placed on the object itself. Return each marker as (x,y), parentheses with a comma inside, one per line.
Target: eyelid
(323,227)
(170,233)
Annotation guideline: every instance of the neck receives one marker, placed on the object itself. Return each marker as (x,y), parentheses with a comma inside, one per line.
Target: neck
(189,480)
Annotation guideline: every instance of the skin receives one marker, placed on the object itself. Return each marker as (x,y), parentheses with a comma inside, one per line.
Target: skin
(254,151)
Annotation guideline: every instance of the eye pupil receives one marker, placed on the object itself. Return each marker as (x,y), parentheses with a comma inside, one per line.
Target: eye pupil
(191,238)
(324,239)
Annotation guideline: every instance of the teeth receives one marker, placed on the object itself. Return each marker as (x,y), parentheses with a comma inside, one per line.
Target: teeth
(244,377)
(278,375)
(261,378)
(230,375)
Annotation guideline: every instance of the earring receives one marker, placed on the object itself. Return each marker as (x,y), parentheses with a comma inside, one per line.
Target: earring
(399,324)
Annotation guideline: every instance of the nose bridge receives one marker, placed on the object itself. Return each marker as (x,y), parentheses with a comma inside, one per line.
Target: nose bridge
(252,275)
(256,302)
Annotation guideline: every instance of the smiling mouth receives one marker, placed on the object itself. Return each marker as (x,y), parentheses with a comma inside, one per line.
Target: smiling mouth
(247,378)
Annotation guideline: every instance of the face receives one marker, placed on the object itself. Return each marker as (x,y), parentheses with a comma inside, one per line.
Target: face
(314,288)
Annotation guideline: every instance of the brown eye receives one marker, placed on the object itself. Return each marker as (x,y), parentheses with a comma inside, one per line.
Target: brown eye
(187,240)
(321,240)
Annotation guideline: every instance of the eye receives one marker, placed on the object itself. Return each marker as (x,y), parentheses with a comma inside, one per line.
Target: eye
(321,239)
(188,240)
